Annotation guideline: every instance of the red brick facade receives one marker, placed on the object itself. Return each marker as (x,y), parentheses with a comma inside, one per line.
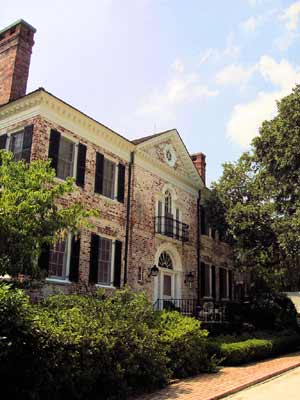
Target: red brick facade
(165,187)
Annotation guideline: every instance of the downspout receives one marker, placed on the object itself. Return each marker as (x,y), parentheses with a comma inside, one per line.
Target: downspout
(198,251)
(128,209)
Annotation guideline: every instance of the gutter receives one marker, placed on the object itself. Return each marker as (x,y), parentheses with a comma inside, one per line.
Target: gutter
(128,213)
(198,251)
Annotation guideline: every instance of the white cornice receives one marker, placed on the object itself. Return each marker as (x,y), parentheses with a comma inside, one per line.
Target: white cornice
(56,111)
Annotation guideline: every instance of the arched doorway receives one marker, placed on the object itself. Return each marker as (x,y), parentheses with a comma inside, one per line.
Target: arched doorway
(168,283)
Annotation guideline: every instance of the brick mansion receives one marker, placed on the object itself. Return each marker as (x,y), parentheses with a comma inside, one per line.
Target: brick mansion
(151,233)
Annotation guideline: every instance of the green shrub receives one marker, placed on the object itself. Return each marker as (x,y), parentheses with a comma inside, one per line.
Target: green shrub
(270,311)
(187,348)
(76,347)
(241,352)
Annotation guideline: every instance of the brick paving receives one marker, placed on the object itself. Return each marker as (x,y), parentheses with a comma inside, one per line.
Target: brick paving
(227,381)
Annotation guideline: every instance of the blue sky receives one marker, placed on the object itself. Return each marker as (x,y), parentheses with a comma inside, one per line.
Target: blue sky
(212,69)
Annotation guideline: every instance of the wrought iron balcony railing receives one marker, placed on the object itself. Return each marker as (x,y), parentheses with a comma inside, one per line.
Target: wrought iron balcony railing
(172,228)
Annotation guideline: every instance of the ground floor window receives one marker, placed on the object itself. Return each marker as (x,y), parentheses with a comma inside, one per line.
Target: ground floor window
(58,260)
(105,261)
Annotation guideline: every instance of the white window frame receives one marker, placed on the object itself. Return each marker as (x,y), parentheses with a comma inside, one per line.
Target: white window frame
(112,263)
(68,260)
(116,182)
(75,158)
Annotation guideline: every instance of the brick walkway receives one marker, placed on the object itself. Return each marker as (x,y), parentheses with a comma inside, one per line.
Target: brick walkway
(227,381)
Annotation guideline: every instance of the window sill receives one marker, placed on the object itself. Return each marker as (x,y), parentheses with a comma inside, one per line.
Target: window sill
(59,281)
(110,200)
(99,285)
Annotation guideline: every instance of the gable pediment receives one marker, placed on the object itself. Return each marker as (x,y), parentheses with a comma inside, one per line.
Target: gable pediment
(168,149)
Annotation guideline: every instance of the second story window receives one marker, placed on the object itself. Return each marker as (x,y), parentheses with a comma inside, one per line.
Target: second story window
(67,157)
(109,178)
(65,162)
(19,143)
(109,168)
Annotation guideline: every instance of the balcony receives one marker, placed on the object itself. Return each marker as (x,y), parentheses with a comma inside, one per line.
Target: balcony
(172,228)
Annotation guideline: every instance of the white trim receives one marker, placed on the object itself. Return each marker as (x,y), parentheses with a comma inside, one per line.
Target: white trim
(67,261)
(57,280)
(116,180)
(101,285)
(75,161)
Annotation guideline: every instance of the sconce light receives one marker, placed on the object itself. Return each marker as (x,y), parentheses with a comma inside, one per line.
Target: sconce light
(189,278)
(153,271)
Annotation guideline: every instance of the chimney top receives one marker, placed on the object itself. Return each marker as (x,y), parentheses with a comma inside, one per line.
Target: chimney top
(16,42)
(18,22)
(200,164)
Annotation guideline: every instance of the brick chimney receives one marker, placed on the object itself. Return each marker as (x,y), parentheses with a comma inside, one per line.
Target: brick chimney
(199,162)
(16,42)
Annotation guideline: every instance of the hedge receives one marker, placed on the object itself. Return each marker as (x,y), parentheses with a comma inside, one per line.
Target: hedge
(255,349)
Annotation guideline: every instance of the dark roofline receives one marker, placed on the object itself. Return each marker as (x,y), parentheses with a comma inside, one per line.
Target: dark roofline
(41,89)
(18,22)
(146,138)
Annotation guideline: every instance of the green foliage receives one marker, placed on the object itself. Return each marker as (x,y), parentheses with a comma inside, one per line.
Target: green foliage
(87,347)
(261,199)
(186,345)
(274,312)
(29,212)
(241,352)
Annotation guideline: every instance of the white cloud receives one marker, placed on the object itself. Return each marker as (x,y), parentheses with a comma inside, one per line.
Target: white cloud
(231,50)
(178,91)
(250,24)
(205,56)
(246,118)
(235,75)
(291,16)
(178,66)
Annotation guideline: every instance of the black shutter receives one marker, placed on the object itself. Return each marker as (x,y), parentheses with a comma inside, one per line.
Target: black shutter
(202,221)
(213,281)
(54,148)
(3,139)
(230,283)
(74,260)
(27,143)
(222,283)
(93,277)
(80,173)
(99,173)
(44,257)
(202,281)
(118,263)
(121,183)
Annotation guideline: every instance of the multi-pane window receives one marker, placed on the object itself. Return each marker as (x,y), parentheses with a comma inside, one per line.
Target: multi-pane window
(65,161)
(104,261)
(109,168)
(19,144)
(58,260)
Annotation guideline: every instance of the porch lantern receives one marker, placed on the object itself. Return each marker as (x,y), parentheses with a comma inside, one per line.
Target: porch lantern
(153,271)
(189,278)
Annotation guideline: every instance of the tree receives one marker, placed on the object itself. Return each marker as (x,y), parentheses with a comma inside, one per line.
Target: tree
(30,214)
(260,194)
